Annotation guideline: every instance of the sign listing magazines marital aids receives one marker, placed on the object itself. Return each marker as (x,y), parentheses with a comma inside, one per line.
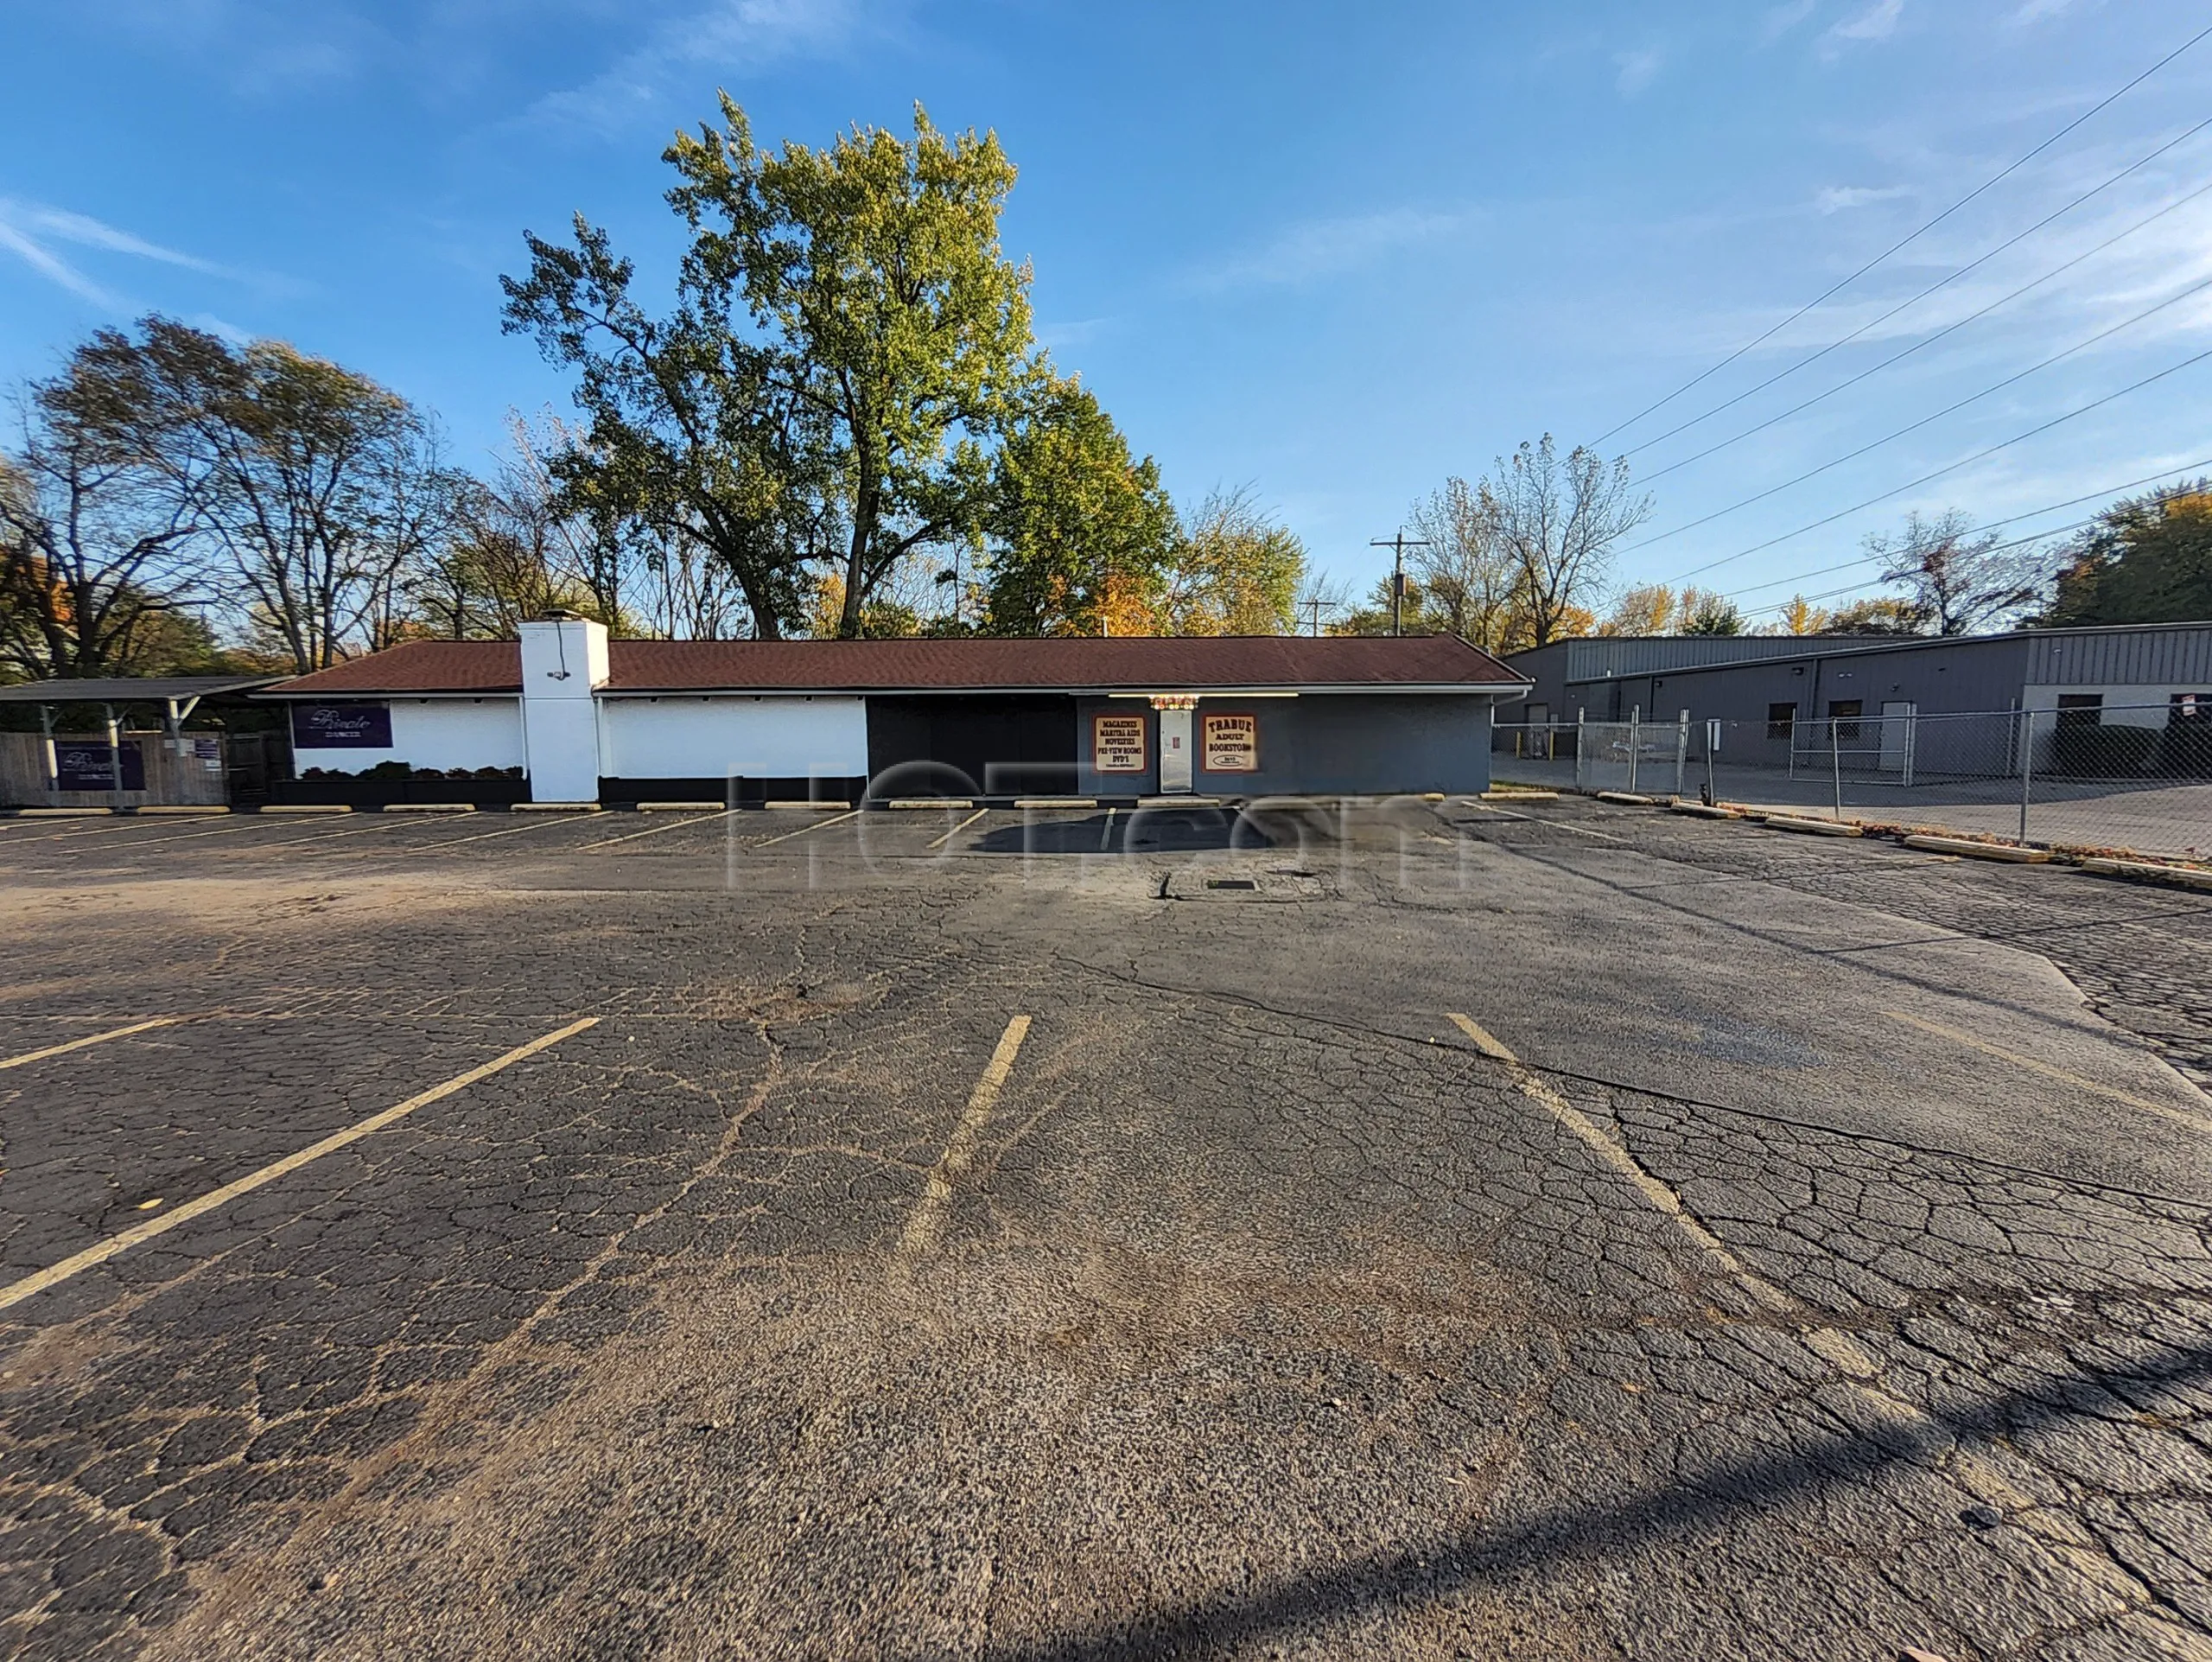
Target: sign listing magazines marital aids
(1117,744)
(1232,744)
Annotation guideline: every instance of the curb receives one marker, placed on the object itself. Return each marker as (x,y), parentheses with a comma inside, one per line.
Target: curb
(1700,810)
(2011,853)
(1629,798)
(818,804)
(554,807)
(1061,801)
(926,804)
(429,807)
(308,808)
(1812,827)
(680,807)
(2145,871)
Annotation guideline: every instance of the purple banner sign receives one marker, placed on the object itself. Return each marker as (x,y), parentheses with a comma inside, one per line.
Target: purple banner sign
(341,727)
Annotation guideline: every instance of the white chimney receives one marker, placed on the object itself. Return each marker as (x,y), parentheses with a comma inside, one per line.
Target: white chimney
(563,662)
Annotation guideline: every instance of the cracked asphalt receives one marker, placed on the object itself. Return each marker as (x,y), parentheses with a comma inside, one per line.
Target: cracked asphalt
(1811,1256)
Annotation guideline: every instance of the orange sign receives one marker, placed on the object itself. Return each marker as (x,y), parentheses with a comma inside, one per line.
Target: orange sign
(1117,744)
(1232,744)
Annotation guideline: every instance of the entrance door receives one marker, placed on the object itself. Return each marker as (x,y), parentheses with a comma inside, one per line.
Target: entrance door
(1174,752)
(1898,722)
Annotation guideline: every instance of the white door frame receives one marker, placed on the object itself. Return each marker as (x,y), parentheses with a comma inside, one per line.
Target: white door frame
(1175,752)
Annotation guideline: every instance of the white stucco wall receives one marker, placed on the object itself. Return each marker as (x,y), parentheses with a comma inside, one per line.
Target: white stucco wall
(2124,706)
(713,737)
(440,732)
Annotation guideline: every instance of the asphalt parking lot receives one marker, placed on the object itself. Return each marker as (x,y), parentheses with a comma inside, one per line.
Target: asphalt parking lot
(1450,1229)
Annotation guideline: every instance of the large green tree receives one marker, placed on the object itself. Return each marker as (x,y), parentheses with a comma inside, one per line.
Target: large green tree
(698,431)
(1080,534)
(2147,559)
(1235,571)
(875,266)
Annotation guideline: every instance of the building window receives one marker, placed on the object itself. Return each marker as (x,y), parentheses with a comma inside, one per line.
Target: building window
(2080,710)
(1845,713)
(1781,720)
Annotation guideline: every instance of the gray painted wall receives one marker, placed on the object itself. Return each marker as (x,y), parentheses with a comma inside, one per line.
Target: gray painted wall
(1365,744)
(1975,673)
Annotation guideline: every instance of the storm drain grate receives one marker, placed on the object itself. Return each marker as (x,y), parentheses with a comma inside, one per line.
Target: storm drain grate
(1230,883)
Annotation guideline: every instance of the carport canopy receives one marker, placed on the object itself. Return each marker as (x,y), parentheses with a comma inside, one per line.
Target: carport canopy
(177,694)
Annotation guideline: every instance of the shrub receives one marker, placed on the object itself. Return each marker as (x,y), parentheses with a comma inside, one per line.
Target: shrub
(389,770)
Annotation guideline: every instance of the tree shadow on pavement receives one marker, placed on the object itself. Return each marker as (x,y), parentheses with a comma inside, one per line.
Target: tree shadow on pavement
(1448,1565)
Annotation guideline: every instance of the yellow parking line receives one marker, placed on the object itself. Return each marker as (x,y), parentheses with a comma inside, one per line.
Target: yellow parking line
(138,1234)
(95,1039)
(786,836)
(480,836)
(2180,1116)
(927,1227)
(655,831)
(939,842)
(1624,1162)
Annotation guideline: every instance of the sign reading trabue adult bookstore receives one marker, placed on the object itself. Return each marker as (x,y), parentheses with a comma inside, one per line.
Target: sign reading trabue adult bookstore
(90,766)
(341,727)
(1232,744)
(1117,744)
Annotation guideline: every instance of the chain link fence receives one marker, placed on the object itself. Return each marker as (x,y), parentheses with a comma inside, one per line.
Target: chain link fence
(2120,778)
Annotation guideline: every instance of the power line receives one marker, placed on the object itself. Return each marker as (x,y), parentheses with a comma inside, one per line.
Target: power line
(1853,588)
(2010,520)
(1925,341)
(1979,455)
(1914,236)
(1914,426)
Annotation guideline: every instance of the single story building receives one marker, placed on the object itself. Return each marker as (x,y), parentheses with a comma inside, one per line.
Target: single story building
(2134,673)
(1907,701)
(567,714)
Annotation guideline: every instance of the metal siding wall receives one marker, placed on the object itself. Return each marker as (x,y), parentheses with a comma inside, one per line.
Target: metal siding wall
(2119,658)
(1940,676)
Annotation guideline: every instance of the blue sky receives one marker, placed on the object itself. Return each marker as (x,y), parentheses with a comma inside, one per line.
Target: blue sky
(1334,252)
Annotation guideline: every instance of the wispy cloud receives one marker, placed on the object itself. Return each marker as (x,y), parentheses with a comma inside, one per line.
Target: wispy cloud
(2034,10)
(31,230)
(1637,70)
(1837,199)
(727,36)
(1322,248)
(56,269)
(1877,23)
(1780,20)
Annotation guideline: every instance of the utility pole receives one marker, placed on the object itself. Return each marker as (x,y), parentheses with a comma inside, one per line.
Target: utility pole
(1398,544)
(1312,606)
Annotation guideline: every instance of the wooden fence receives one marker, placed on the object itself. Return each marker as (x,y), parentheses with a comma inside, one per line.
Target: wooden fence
(190,771)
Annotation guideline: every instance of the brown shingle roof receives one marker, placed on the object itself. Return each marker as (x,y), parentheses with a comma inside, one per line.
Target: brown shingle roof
(1072,663)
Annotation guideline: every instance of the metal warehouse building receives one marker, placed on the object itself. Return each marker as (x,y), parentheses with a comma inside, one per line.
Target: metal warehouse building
(2132,675)
(580,717)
